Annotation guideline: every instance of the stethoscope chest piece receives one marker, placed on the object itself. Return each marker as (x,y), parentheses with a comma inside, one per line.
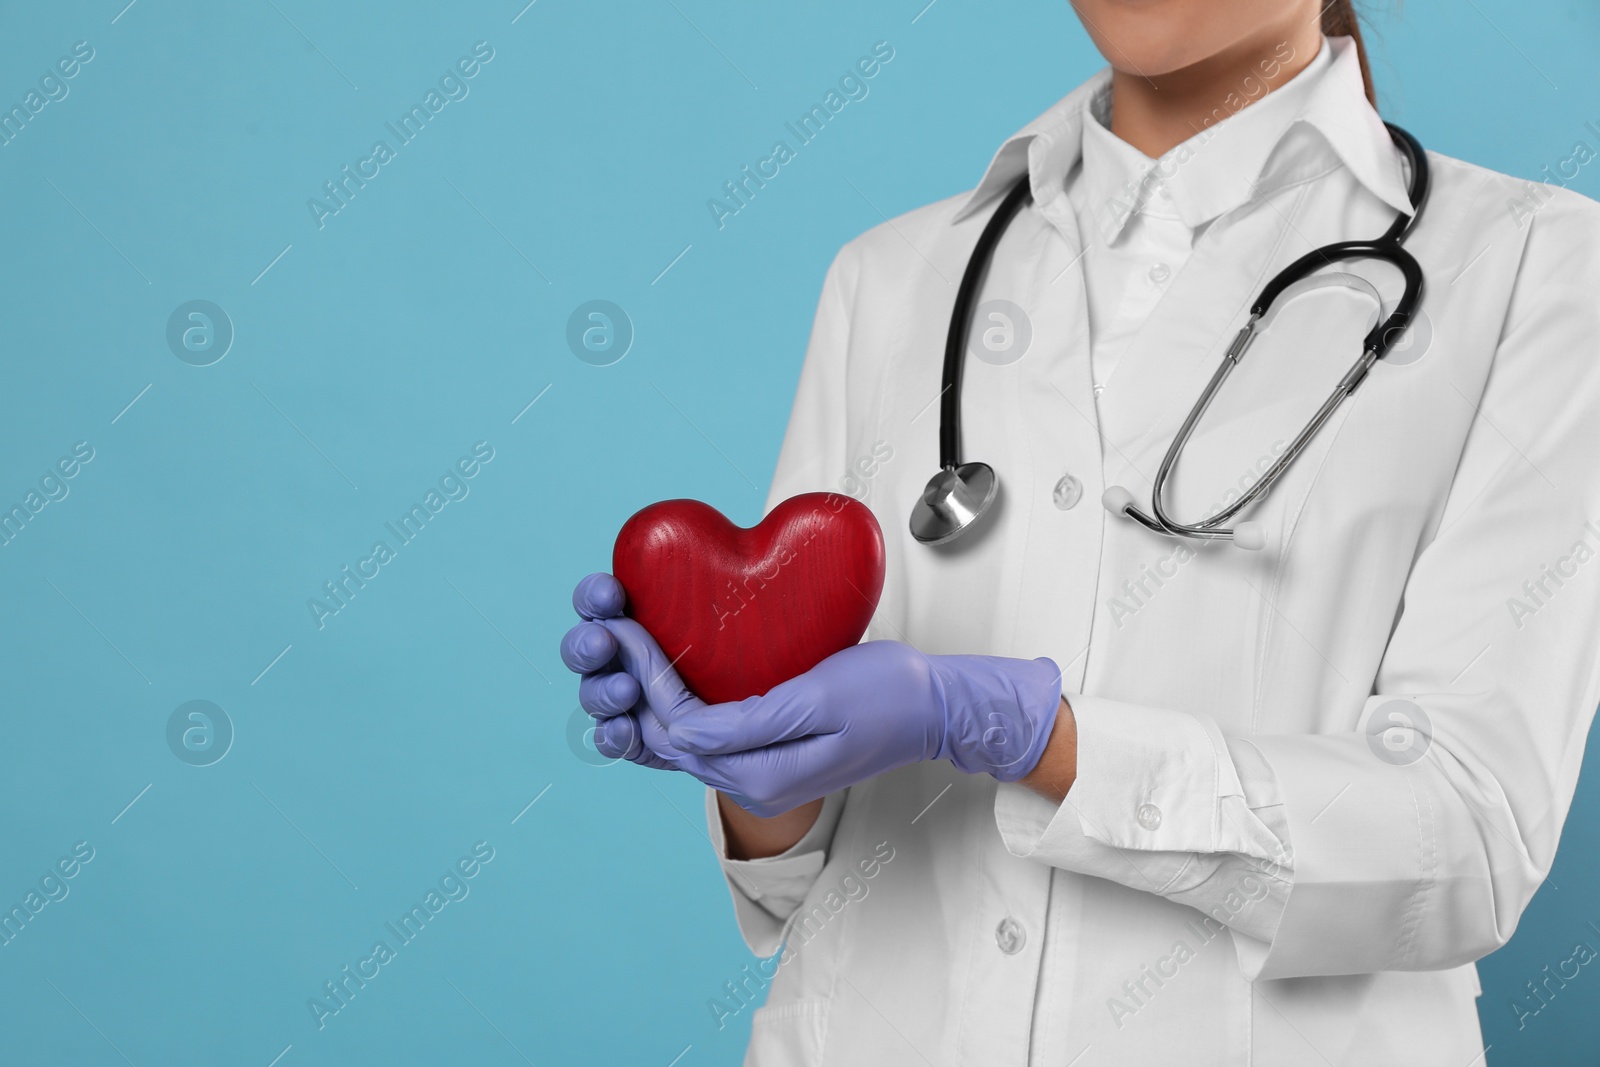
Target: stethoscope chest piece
(955,498)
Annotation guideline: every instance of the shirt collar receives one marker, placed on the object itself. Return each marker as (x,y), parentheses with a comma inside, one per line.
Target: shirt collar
(1231,160)
(1206,175)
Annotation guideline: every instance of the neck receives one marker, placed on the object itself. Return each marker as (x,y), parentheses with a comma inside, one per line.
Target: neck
(1156,114)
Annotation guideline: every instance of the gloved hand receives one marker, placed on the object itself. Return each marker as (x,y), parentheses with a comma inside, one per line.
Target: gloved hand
(607,691)
(860,712)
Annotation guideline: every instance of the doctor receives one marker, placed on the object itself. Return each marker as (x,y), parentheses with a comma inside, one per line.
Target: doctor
(1094,794)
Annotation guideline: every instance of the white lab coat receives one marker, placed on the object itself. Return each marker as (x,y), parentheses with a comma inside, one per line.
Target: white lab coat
(1240,874)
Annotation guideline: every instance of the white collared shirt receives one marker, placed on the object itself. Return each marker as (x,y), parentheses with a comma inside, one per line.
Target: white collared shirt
(1315,782)
(1138,217)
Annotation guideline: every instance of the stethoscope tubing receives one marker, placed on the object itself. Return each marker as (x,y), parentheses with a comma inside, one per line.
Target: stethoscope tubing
(1377,343)
(1387,248)
(961,321)
(940,517)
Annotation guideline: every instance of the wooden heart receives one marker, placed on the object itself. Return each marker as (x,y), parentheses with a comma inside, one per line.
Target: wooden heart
(740,610)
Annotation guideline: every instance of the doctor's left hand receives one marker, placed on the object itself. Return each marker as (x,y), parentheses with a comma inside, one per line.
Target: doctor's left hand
(861,712)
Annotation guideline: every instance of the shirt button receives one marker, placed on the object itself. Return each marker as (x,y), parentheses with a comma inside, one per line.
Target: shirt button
(1149,816)
(1068,492)
(1098,389)
(1160,273)
(1010,936)
(1162,193)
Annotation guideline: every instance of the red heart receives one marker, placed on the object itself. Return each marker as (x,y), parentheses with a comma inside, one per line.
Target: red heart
(740,610)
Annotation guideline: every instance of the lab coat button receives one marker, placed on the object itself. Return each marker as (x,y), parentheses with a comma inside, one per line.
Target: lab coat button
(1010,936)
(1149,816)
(1160,273)
(1068,492)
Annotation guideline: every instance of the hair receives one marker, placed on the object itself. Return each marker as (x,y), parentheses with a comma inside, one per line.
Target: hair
(1339,20)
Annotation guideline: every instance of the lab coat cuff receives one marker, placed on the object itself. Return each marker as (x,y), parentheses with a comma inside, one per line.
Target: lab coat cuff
(767,891)
(1150,779)
(1146,797)
(1032,827)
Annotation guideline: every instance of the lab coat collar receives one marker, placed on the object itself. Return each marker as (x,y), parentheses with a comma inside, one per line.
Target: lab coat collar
(1046,149)
(1050,146)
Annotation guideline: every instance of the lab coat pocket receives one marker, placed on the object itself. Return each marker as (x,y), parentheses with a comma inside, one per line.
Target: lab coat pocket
(788,1034)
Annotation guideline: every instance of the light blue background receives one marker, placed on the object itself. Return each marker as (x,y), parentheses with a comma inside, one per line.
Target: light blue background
(424,317)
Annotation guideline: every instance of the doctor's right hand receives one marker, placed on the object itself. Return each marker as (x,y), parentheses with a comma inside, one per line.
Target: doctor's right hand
(628,728)
(607,691)
(862,711)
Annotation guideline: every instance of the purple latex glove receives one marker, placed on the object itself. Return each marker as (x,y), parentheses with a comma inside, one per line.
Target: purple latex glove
(607,691)
(863,711)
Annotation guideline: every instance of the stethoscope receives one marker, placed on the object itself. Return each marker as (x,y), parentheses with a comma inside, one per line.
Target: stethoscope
(961,493)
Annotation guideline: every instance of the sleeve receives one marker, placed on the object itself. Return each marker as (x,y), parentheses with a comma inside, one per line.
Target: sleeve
(766,892)
(1164,803)
(1488,687)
